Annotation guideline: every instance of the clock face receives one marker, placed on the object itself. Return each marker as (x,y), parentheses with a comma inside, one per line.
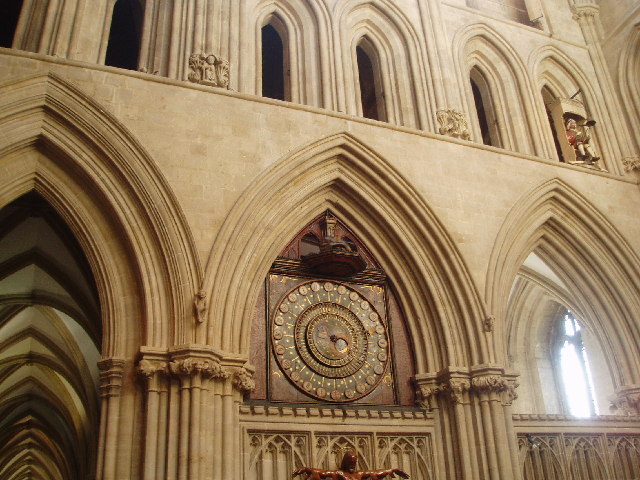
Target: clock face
(329,341)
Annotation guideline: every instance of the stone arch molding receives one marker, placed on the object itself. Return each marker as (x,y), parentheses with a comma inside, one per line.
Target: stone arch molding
(555,69)
(56,140)
(340,173)
(601,271)
(482,47)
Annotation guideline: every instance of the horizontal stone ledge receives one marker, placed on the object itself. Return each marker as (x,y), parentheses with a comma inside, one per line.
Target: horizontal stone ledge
(321,413)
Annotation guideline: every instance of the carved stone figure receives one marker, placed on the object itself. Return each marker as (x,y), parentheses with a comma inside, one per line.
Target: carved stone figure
(348,471)
(208,70)
(453,124)
(579,137)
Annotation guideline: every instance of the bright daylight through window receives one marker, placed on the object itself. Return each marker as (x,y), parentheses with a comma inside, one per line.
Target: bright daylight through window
(574,366)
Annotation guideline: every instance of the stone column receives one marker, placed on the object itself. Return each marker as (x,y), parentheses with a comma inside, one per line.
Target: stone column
(154,371)
(587,14)
(111,373)
(446,92)
(192,369)
(474,424)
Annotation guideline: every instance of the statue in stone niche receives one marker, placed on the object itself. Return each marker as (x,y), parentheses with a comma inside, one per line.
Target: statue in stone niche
(348,471)
(579,137)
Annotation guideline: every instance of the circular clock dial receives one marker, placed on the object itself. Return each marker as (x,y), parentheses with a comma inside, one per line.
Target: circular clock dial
(329,341)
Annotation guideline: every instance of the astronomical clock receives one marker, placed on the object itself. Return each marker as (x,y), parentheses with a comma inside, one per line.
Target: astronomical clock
(328,328)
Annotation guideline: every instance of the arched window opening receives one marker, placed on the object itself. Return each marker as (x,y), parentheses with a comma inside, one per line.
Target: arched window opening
(124,37)
(577,380)
(50,335)
(371,92)
(485,111)
(274,63)
(548,98)
(9,16)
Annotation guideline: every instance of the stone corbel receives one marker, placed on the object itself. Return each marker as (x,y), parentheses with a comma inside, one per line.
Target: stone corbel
(200,306)
(211,70)
(631,163)
(453,124)
(243,381)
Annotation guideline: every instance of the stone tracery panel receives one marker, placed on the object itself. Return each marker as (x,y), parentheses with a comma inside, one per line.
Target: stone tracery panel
(579,457)
(274,455)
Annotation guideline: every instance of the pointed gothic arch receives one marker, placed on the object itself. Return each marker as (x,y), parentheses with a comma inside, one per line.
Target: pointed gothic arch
(341,174)
(554,69)
(628,74)
(402,60)
(298,25)
(590,257)
(60,143)
(482,49)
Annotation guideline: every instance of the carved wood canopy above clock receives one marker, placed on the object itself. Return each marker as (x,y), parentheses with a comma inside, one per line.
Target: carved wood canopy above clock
(328,328)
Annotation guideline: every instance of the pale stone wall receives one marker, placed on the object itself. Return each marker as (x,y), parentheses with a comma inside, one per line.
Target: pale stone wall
(175,188)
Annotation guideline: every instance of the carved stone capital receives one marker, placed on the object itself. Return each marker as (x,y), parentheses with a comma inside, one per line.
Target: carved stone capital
(243,381)
(456,388)
(489,384)
(211,70)
(582,12)
(631,163)
(191,366)
(111,372)
(149,368)
(453,124)
(426,395)
(627,400)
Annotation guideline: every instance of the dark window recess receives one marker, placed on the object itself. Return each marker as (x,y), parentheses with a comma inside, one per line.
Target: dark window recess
(482,114)
(368,95)
(556,142)
(124,37)
(9,15)
(272,64)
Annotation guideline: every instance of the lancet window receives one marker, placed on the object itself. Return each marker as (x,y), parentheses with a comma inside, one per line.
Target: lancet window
(370,82)
(123,48)
(275,61)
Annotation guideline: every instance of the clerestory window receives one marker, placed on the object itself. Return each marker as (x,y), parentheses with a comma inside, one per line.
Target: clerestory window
(275,69)
(370,81)
(124,37)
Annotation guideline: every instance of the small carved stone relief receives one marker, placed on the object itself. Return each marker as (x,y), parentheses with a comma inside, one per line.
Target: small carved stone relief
(631,163)
(453,124)
(243,381)
(200,306)
(208,70)
(489,323)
